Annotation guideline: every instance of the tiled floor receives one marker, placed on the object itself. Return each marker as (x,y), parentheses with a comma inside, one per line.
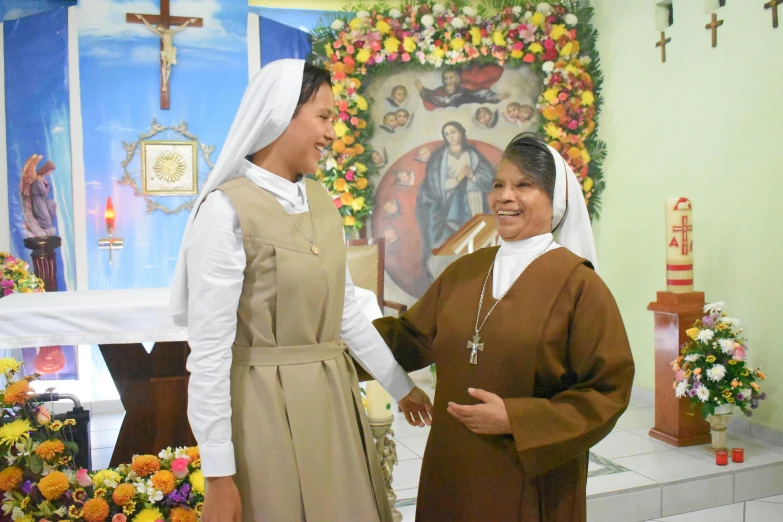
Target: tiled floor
(633,478)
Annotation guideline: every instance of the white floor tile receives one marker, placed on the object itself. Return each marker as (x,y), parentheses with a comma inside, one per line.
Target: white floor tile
(758,483)
(763,512)
(407,494)
(754,455)
(401,428)
(634,505)
(730,513)
(637,418)
(111,421)
(415,444)
(616,482)
(669,466)
(406,474)
(408,513)
(776,499)
(697,494)
(645,432)
(626,444)
(403,453)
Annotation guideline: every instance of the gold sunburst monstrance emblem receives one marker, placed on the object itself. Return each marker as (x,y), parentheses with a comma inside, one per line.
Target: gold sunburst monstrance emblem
(169,167)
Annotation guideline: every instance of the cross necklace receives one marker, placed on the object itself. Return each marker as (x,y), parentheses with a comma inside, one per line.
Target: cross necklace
(475,345)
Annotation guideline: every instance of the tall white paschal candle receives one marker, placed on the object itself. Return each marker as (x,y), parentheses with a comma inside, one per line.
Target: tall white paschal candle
(379,402)
(679,245)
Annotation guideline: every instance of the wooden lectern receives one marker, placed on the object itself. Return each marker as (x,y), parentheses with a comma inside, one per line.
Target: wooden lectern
(479,232)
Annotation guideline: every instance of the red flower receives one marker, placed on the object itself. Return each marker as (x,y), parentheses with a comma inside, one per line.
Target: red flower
(572,32)
(549,44)
(550,55)
(484,33)
(375,46)
(438,43)
(349,60)
(512,34)
(563,96)
(338,75)
(337,202)
(529,58)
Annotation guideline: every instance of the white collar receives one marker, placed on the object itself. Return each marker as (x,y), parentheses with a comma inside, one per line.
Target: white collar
(530,245)
(277,185)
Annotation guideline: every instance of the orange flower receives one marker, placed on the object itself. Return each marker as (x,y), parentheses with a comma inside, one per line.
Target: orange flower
(95,510)
(53,485)
(574,153)
(697,371)
(361,183)
(734,383)
(338,146)
(761,375)
(556,145)
(17,392)
(349,221)
(359,148)
(144,465)
(348,139)
(361,125)
(164,481)
(181,514)
(346,198)
(350,151)
(10,478)
(49,449)
(340,184)
(193,455)
(754,386)
(123,494)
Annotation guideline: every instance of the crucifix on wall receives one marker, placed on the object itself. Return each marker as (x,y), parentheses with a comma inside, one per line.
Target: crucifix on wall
(773,4)
(662,44)
(714,24)
(161,24)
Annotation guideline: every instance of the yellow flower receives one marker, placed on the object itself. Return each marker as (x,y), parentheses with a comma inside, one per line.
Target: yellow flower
(587,184)
(710,359)
(9,364)
(732,362)
(337,89)
(355,23)
(355,83)
(693,333)
(457,44)
(360,167)
(340,184)
(363,55)
(357,204)
(552,130)
(391,44)
(340,129)
(349,221)
(346,198)
(129,508)
(26,518)
(475,35)
(587,98)
(498,39)
(573,71)
(14,432)
(567,49)
(56,425)
(383,27)
(150,514)
(538,19)
(730,399)
(361,183)
(100,478)
(361,103)
(439,52)
(329,50)
(550,95)
(585,156)
(536,48)
(197,481)
(10,478)
(558,31)
(53,485)
(409,44)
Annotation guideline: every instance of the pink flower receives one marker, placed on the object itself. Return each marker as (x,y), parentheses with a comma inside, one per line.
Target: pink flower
(739,354)
(349,49)
(563,96)
(43,416)
(344,116)
(518,46)
(379,58)
(406,57)
(83,478)
(680,375)
(337,202)
(179,467)
(355,121)
(549,44)
(337,44)
(375,46)
(393,57)
(573,125)
(349,175)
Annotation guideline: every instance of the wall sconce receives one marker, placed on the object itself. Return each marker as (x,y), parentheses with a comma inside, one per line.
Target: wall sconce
(110,243)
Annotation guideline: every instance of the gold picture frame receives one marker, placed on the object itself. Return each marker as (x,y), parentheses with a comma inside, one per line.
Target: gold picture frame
(169,168)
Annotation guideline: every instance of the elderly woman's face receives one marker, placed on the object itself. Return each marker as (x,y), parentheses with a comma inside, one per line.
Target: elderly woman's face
(521,208)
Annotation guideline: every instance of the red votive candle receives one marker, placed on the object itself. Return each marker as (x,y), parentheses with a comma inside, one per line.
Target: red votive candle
(721,458)
(738,455)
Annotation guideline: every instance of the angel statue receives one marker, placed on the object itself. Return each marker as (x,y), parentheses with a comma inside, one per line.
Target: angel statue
(38,210)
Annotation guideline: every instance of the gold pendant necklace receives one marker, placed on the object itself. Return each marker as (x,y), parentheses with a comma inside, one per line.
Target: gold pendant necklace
(313,247)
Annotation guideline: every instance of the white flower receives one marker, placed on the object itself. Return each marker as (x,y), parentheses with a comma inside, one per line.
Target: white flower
(703,393)
(681,389)
(528,14)
(729,320)
(586,60)
(457,22)
(548,67)
(338,24)
(362,14)
(571,19)
(166,454)
(516,9)
(705,335)
(716,373)
(544,8)
(469,11)
(17,513)
(726,346)
(693,357)
(438,8)
(427,20)
(180,453)
(714,308)
(149,490)
(61,511)
(395,13)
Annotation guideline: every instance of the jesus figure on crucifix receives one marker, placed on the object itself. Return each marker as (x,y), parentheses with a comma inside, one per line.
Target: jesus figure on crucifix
(168,53)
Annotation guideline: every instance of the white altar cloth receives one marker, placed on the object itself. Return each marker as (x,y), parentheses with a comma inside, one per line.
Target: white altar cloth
(103,317)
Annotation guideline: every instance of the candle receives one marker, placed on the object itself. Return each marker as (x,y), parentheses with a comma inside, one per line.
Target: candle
(109,215)
(721,457)
(679,245)
(379,402)
(738,455)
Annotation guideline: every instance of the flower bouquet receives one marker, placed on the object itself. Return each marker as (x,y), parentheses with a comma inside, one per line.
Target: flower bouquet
(40,482)
(15,277)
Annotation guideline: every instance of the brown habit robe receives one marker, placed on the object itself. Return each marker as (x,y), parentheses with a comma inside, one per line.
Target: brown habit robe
(556,351)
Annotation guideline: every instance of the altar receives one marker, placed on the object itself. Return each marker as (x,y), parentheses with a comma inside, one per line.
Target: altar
(152,384)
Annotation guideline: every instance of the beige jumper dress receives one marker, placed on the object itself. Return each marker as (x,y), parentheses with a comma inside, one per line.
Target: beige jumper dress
(303,446)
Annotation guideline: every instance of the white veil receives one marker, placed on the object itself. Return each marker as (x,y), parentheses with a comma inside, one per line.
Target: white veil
(266,110)
(570,220)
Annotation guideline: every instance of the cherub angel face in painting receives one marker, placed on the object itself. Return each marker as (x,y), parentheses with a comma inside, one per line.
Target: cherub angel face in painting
(402,117)
(399,94)
(390,120)
(483,116)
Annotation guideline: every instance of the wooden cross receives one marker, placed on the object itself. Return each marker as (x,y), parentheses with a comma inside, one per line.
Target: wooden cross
(161,25)
(714,26)
(662,45)
(773,4)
